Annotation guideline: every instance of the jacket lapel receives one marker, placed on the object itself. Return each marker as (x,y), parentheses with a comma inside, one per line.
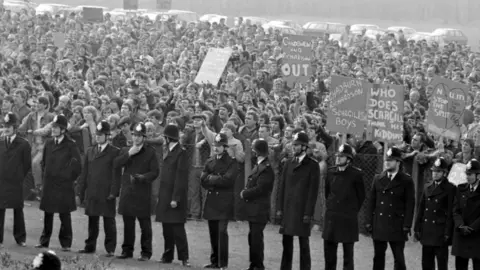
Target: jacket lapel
(435,190)
(101,154)
(258,169)
(168,152)
(59,146)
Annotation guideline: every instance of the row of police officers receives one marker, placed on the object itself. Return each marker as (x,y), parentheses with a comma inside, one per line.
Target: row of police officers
(447,214)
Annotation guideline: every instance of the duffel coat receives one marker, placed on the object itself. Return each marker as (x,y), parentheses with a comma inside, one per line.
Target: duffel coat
(257,192)
(434,218)
(390,207)
(173,187)
(135,197)
(466,212)
(345,194)
(218,178)
(61,166)
(99,180)
(15,163)
(297,195)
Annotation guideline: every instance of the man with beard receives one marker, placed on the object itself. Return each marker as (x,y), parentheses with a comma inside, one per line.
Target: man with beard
(344,193)
(466,216)
(390,211)
(300,175)
(434,222)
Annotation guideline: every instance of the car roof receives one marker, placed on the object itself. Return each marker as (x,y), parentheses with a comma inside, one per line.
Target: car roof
(176,11)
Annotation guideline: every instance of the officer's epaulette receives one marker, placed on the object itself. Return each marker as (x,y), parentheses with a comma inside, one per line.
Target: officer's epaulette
(312,158)
(356,168)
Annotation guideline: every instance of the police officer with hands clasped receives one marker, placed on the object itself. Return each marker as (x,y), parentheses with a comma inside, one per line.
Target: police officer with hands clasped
(344,193)
(257,202)
(390,211)
(466,216)
(434,223)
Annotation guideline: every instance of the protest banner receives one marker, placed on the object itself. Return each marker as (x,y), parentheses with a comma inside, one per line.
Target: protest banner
(385,112)
(213,66)
(347,105)
(92,15)
(447,105)
(59,40)
(130,4)
(457,174)
(164,4)
(296,62)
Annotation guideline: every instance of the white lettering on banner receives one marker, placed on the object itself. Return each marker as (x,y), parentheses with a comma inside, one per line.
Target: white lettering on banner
(296,43)
(346,86)
(295,69)
(387,135)
(345,122)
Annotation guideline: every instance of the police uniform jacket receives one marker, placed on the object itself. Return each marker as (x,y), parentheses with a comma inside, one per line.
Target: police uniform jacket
(390,206)
(434,218)
(218,178)
(466,212)
(344,193)
(135,197)
(173,187)
(15,162)
(99,180)
(257,192)
(61,166)
(297,195)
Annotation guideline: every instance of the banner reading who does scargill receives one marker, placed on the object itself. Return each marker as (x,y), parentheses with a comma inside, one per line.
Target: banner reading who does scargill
(296,62)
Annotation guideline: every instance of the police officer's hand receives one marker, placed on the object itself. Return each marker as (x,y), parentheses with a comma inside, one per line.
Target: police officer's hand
(278,217)
(369,228)
(139,177)
(465,230)
(406,233)
(417,236)
(110,197)
(307,219)
(133,150)
(78,201)
(241,194)
(173,204)
(446,238)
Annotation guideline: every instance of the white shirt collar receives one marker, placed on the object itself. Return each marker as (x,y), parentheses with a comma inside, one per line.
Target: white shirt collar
(260,160)
(171,146)
(301,157)
(102,146)
(392,175)
(474,187)
(60,139)
(11,138)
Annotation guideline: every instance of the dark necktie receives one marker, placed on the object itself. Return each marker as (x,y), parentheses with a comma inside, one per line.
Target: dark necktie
(390,177)
(472,189)
(99,149)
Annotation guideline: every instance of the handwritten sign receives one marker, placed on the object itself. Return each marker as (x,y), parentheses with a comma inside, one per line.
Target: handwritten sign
(297,58)
(164,4)
(385,112)
(457,174)
(213,66)
(446,109)
(93,15)
(347,105)
(130,4)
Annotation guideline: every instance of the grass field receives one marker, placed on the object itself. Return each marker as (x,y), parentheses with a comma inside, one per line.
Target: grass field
(199,245)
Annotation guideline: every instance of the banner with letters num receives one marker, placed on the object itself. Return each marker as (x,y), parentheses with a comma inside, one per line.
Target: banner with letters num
(447,105)
(457,174)
(92,15)
(346,113)
(385,112)
(130,4)
(164,4)
(296,62)
(213,66)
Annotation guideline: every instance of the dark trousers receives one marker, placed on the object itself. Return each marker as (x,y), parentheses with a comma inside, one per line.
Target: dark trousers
(287,255)
(330,255)
(19,232)
(219,242)
(195,193)
(129,235)
(65,234)
(110,228)
(380,247)
(174,234)
(255,242)
(462,263)
(429,254)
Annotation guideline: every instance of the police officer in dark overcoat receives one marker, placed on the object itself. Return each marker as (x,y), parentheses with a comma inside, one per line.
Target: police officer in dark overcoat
(345,194)
(140,168)
(218,178)
(390,211)
(434,222)
(61,165)
(256,195)
(172,198)
(297,196)
(15,163)
(98,188)
(466,217)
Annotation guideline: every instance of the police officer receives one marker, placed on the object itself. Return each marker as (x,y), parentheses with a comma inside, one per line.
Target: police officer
(61,166)
(140,168)
(466,216)
(172,198)
(257,202)
(218,178)
(434,223)
(297,195)
(344,193)
(16,162)
(98,188)
(390,211)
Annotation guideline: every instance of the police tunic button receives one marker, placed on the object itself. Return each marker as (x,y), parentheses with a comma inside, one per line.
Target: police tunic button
(436,201)
(391,204)
(426,220)
(434,211)
(381,202)
(433,222)
(384,192)
(429,199)
(426,209)
(389,215)
(391,192)
(381,214)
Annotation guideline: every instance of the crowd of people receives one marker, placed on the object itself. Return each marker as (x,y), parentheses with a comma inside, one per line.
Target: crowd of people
(93,120)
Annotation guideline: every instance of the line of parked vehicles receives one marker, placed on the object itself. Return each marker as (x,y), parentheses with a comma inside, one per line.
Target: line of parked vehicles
(440,35)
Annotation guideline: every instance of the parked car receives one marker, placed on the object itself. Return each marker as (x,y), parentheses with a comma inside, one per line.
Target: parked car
(253,20)
(407,31)
(318,29)
(373,33)
(184,15)
(297,27)
(211,18)
(50,8)
(16,7)
(358,28)
(282,29)
(451,35)
(428,37)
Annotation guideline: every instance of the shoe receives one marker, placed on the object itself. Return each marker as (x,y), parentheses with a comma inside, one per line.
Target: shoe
(143,258)
(125,256)
(86,251)
(211,266)
(186,263)
(109,254)
(66,249)
(40,246)
(164,261)
(22,244)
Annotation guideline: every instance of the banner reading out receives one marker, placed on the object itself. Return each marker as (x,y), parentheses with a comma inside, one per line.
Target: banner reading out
(296,62)
(347,105)
(213,66)
(457,174)
(385,112)
(448,103)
